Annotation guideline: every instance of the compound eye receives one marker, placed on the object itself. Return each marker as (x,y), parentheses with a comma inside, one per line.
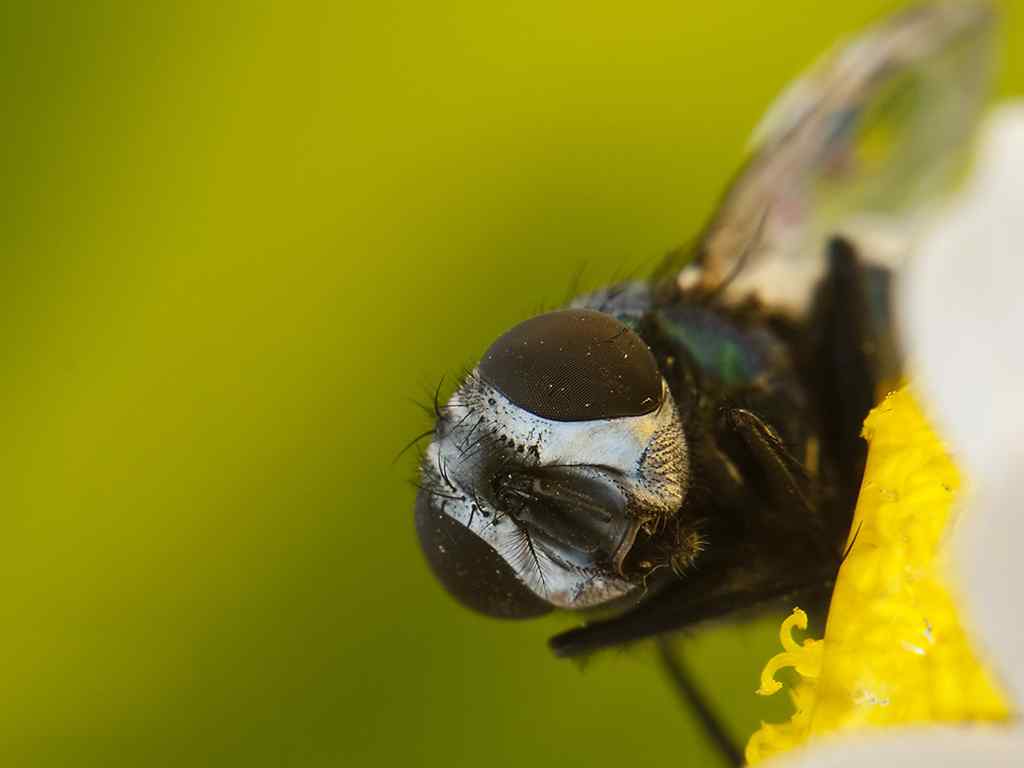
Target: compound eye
(470,570)
(574,365)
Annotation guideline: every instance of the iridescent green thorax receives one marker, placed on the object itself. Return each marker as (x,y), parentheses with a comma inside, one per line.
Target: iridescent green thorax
(722,349)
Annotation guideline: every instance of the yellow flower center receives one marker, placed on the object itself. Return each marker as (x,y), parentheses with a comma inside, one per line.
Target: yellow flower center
(895,651)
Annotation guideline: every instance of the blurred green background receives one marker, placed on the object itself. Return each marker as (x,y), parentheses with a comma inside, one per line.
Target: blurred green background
(238,239)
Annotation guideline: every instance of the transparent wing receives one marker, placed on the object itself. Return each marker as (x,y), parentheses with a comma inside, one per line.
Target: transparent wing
(867,140)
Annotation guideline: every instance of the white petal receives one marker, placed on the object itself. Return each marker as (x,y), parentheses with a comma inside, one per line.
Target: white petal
(964,320)
(964,301)
(930,746)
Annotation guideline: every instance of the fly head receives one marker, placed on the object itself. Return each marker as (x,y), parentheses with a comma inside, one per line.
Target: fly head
(558,451)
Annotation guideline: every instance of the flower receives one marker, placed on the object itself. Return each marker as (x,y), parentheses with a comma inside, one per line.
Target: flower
(896,651)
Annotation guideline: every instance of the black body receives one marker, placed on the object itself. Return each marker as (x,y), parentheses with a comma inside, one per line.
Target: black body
(776,453)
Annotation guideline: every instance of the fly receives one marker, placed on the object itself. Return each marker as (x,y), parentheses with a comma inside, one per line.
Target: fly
(686,447)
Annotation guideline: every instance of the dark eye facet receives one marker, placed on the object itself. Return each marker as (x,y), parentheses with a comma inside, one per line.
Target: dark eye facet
(470,570)
(574,365)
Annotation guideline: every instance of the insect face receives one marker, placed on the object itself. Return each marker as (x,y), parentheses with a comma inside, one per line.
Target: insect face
(560,449)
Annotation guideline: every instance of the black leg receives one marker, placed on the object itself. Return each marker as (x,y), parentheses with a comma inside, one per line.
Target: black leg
(694,700)
(702,596)
(846,360)
(780,477)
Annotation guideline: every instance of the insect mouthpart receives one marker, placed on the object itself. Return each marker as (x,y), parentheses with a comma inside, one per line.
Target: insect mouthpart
(578,514)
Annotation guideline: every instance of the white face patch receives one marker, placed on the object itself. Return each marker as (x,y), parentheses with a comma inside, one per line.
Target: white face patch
(643,460)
